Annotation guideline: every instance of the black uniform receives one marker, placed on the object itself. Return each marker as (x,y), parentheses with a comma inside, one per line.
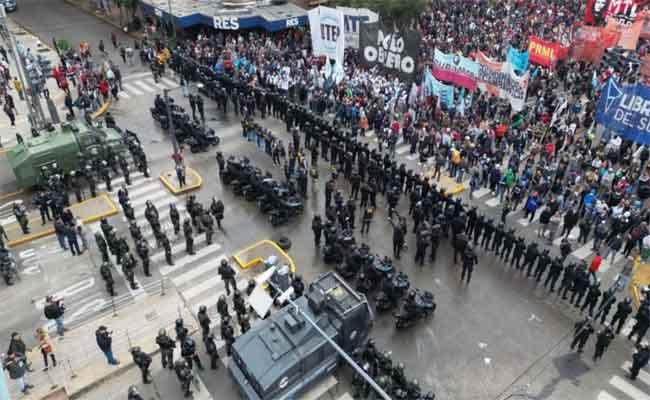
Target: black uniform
(167,346)
(583,330)
(623,310)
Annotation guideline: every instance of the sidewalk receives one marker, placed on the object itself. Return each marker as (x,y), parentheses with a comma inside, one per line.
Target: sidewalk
(192,179)
(89,210)
(113,16)
(82,366)
(29,41)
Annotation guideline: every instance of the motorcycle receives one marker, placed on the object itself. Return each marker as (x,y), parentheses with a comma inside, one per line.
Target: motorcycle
(201,140)
(423,306)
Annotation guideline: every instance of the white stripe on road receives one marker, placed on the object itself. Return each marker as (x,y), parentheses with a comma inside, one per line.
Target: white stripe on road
(196,290)
(493,202)
(160,193)
(159,85)
(643,376)
(210,265)
(211,301)
(584,251)
(124,95)
(169,82)
(144,189)
(132,89)
(403,149)
(188,258)
(603,395)
(573,235)
(525,221)
(627,388)
(481,192)
(145,86)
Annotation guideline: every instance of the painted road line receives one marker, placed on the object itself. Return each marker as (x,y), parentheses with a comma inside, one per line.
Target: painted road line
(493,202)
(209,266)
(160,193)
(132,89)
(144,189)
(136,76)
(180,263)
(403,149)
(219,289)
(196,290)
(480,193)
(603,395)
(152,82)
(573,235)
(643,376)
(124,95)
(144,86)
(169,82)
(627,388)
(178,248)
(584,251)
(526,222)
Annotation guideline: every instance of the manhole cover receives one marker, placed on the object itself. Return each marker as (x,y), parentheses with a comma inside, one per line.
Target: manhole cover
(151,316)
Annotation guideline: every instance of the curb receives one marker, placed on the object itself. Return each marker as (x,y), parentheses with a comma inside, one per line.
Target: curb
(103,19)
(8,195)
(173,188)
(102,110)
(113,210)
(258,260)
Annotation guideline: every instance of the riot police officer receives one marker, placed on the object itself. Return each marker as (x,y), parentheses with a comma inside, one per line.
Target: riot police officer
(175,217)
(204,320)
(102,246)
(188,352)
(244,323)
(121,248)
(164,242)
(185,376)
(106,175)
(143,361)
(124,167)
(181,330)
(217,209)
(189,239)
(211,349)
(227,273)
(222,307)
(107,276)
(167,346)
(208,225)
(92,184)
(143,252)
(128,268)
(227,334)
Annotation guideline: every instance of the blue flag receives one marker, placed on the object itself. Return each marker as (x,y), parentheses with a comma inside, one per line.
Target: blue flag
(519,60)
(625,109)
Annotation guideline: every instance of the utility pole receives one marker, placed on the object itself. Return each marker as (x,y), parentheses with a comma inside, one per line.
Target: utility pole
(35,112)
(172,133)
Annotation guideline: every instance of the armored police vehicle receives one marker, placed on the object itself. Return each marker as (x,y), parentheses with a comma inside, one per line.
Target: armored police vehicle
(285,355)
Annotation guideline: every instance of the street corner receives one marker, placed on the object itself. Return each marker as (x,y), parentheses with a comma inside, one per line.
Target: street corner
(193,181)
(89,210)
(259,252)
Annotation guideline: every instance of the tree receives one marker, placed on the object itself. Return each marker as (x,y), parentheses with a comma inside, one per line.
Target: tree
(400,13)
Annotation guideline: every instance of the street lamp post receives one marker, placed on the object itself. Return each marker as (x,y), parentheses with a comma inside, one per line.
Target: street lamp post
(172,133)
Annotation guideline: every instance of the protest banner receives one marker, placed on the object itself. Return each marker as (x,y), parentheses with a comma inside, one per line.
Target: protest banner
(327,37)
(352,19)
(395,52)
(499,79)
(455,69)
(519,60)
(625,109)
(545,53)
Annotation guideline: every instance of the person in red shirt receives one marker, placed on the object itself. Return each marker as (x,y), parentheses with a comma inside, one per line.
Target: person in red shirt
(103,89)
(595,265)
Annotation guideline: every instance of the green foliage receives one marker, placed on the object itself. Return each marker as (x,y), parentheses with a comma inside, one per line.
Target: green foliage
(63,45)
(397,12)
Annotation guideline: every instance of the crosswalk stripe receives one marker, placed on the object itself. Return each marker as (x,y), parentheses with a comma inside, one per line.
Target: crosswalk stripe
(161,203)
(603,395)
(643,376)
(211,301)
(145,86)
(573,235)
(493,202)
(169,82)
(525,221)
(196,290)
(584,251)
(160,193)
(403,149)
(132,89)
(627,388)
(186,259)
(124,95)
(144,189)
(210,265)
(481,192)
(152,82)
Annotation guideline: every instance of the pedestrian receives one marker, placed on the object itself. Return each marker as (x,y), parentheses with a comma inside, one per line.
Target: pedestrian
(19,88)
(17,346)
(595,265)
(55,310)
(46,347)
(71,235)
(105,343)
(180,175)
(16,366)
(10,113)
(81,233)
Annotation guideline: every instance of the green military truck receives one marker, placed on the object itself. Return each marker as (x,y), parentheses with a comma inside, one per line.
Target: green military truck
(61,148)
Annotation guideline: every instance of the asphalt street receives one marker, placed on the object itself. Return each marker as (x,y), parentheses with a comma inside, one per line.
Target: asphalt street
(500,335)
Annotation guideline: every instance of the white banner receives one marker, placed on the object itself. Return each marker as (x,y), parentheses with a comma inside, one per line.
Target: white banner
(353,18)
(327,33)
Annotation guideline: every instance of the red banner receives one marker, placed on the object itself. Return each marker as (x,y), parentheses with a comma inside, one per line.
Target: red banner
(590,42)
(545,53)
